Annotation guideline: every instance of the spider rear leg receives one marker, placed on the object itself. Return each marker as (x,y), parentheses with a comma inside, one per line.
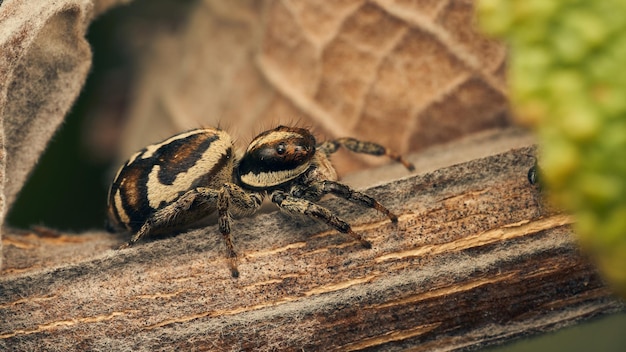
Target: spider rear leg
(230,195)
(196,204)
(302,206)
(316,190)
(364,147)
(177,212)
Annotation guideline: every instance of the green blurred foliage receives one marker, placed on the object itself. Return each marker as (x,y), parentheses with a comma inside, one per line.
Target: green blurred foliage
(568,83)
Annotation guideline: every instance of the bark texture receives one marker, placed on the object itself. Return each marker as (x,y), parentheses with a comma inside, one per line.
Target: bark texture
(477,258)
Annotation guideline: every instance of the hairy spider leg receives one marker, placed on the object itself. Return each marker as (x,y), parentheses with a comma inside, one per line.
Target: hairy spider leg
(316,190)
(363,147)
(230,195)
(206,200)
(166,216)
(302,206)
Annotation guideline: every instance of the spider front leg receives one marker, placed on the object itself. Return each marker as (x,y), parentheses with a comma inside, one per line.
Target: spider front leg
(177,213)
(233,195)
(363,147)
(317,190)
(302,206)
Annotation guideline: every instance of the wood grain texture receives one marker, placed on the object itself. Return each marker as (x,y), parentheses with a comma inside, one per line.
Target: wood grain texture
(475,259)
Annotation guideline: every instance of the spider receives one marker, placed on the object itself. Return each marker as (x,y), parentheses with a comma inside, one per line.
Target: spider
(171,186)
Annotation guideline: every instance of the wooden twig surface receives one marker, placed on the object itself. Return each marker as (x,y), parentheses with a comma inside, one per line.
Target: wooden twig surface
(476,259)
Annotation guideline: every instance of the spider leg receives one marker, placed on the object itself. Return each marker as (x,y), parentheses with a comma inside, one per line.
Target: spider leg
(196,204)
(316,190)
(363,147)
(302,206)
(233,195)
(174,213)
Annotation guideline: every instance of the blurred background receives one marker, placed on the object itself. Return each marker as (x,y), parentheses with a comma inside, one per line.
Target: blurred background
(68,188)
(421,77)
(340,69)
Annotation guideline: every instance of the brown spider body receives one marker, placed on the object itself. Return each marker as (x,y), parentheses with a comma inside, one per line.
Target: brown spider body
(172,185)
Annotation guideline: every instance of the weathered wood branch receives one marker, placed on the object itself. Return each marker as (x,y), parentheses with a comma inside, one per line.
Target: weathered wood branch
(475,259)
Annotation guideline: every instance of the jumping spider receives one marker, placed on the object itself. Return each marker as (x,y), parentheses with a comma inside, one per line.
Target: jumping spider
(170,186)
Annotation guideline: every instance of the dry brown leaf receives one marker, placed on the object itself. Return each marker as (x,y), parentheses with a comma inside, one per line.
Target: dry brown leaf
(44,60)
(407,74)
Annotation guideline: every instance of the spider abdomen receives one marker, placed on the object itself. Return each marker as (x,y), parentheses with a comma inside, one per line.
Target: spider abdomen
(159,174)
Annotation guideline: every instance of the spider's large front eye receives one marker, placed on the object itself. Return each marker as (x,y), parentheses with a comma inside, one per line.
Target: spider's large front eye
(276,156)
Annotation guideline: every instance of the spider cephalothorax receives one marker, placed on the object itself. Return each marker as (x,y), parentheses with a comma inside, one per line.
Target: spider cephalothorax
(170,186)
(276,157)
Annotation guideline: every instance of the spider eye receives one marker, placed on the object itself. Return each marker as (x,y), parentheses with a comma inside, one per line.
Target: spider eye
(281,149)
